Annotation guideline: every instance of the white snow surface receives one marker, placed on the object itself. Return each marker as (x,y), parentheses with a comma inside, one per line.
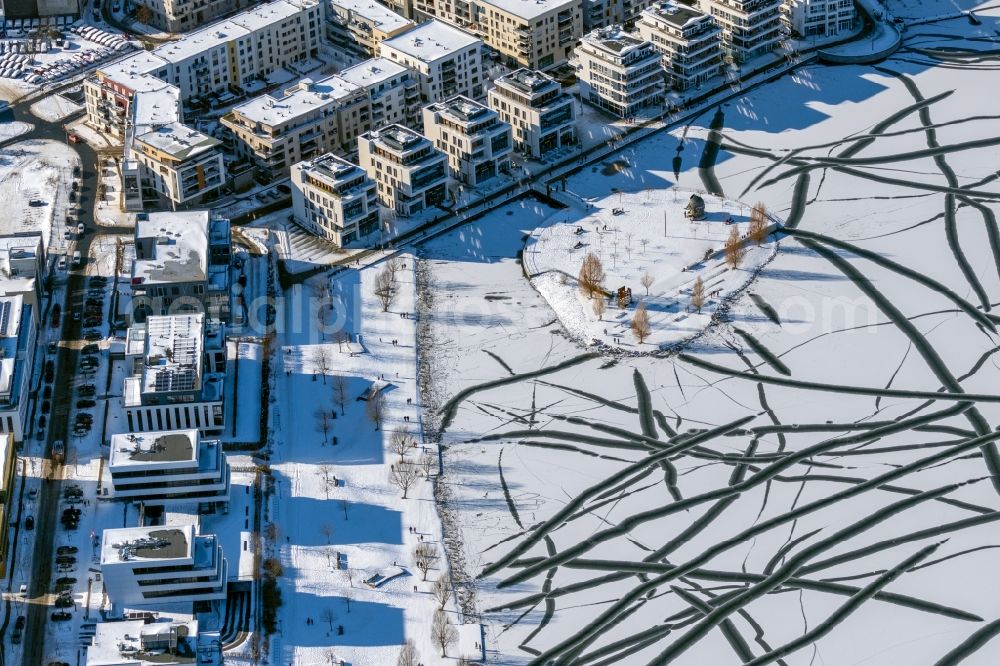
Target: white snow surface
(13,129)
(54,108)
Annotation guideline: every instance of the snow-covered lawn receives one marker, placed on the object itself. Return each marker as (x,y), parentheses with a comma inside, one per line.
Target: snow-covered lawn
(640,236)
(340,520)
(40,171)
(13,129)
(54,108)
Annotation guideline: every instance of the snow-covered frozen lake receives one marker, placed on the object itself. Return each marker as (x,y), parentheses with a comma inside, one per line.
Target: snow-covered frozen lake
(815,478)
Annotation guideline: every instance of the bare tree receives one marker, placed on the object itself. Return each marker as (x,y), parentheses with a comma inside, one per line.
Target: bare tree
(403,475)
(644,242)
(341,338)
(591,275)
(394,265)
(735,250)
(323,359)
(757,230)
(599,304)
(348,596)
(376,407)
(329,479)
(427,463)
(400,441)
(698,294)
(408,656)
(442,632)
(442,591)
(424,557)
(340,391)
(324,418)
(385,288)
(646,281)
(640,323)
(327,531)
(327,615)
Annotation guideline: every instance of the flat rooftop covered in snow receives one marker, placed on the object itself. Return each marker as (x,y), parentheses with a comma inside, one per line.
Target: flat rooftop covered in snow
(676,14)
(530,9)
(151,448)
(379,14)
(142,643)
(178,141)
(371,72)
(133,72)
(299,100)
(156,107)
(10,325)
(614,40)
(464,111)
(398,138)
(527,81)
(179,249)
(432,40)
(147,543)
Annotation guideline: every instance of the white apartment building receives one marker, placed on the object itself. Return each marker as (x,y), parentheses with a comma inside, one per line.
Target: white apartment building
(393,91)
(335,199)
(312,118)
(209,61)
(114,89)
(17,352)
(478,144)
(359,26)
(177,164)
(23,269)
(542,116)
(446,59)
(818,18)
(183,15)
(690,42)
(181,265)
(539,34)
(148,566)
(619,72)
(750,28)
(147,642)
(410,173)
(176,372)
(172,466)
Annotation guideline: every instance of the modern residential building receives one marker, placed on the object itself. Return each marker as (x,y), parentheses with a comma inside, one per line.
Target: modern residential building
(539,34)
(750,28)
(393,90)
(462,13)
(446,59)
(112,91)
(411,174)
(148,111)
(334,198)
(178,165)
(541,115)
(313,117)
(183,15)
(181,265)
(172,466)
(818,18)
(23,269)
(145,566)
(619,72)
(209,61)
(402,7)
(690,42)
(17,352)
(478,144)
(147,642)
(357,27)
(176,367)
(8,500)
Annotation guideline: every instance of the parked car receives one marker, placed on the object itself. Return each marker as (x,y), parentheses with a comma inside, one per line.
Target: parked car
(65,602)
(65,559)
(91,322)
(66,580)
(29,523)
(66,550)
(98,279)
(87,390)
(42,421)
(35,203)
(90,349)
(93,336)
(85,403)
(88,363)
(52,347)
(46,406)
(61,616)
(56,313)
